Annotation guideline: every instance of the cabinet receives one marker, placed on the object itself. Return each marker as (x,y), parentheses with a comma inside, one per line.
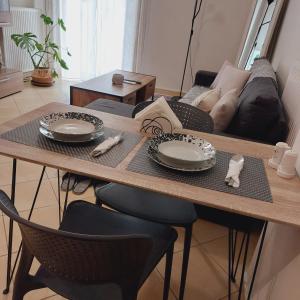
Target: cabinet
(11,81)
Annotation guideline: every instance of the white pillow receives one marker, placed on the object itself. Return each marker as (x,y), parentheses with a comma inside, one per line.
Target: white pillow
(207,100)
(232,78)
(219,75)
(223,112)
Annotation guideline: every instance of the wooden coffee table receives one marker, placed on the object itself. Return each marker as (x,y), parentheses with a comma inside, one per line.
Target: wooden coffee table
(102,87)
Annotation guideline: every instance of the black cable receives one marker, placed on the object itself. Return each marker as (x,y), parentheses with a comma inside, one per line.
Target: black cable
(197,9)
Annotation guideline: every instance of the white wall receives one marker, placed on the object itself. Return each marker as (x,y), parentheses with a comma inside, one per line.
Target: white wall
(22,3)
(218,35)
(287,50)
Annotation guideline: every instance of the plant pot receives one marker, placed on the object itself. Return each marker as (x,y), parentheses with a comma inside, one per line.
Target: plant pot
(42,77)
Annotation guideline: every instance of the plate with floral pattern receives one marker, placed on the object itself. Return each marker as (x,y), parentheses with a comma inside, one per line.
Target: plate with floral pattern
(182,152)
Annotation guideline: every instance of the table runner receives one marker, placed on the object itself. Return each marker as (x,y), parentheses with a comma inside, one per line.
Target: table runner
(253,178)
(29,135)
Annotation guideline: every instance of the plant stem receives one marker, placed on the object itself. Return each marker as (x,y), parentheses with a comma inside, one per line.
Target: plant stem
(31,57)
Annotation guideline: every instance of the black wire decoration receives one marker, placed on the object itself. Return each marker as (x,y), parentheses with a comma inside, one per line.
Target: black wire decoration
(155,127)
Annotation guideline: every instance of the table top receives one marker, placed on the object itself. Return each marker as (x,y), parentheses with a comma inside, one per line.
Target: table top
(286,193)
(103,84)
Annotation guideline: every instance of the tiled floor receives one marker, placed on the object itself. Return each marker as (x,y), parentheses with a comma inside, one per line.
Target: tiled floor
(207,276)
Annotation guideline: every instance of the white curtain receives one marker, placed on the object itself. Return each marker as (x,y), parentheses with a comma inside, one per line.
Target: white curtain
(101,36)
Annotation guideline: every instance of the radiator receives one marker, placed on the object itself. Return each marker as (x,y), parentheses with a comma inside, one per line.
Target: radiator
(23,20)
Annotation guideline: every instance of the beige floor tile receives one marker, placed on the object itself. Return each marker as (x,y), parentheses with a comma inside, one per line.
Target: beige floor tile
(3,245)
(4,159)
(25,172)
(204,231)
(51,173)
(153,288)
(25,192)
(205,279)
(217,250)
(3,279)
(180,240)
(234,296)
(56,297)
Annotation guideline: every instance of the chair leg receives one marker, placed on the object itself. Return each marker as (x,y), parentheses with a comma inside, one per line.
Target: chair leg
(23,281)
(98,201)
(168,271)
(230,236)
(185,260)
(244,266)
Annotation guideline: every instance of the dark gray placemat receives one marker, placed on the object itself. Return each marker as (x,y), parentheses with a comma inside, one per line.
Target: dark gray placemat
(29,135)
(253,178)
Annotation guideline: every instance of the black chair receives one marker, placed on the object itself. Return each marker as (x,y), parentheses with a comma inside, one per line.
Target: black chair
(96,253)
(156,207)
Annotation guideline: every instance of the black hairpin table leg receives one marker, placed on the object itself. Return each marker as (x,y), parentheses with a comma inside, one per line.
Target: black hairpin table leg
(10,272)
(10,230)
(58,196)
(67,194)
(257,259)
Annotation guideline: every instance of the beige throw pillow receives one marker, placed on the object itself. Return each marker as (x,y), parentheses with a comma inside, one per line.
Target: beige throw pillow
(219,75)
(207,100)
(223,112)
(232,78)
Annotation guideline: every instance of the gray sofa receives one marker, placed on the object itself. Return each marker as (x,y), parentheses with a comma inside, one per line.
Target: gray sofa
(260,115)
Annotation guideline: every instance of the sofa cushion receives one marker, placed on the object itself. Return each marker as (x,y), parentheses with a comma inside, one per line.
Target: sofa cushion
(232,78)
(224,110)
(261,67)
(193,93)
(207,100)
(259,111)
(220,73)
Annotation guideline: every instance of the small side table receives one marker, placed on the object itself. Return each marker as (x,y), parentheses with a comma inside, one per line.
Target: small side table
(102,87)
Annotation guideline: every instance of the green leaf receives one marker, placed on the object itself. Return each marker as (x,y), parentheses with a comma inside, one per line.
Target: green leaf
(39,46)
(25,41)
(61,23)
(47,20)
(54,74)
(63,64)
(53,45)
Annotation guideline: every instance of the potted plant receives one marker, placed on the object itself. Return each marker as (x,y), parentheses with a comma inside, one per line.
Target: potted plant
(45,54)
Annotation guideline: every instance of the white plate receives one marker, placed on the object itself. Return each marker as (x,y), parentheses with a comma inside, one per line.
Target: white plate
(73,139)
(72,127)
(206,165)
(182,152)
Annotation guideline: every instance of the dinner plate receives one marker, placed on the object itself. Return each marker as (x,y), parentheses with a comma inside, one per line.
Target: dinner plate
(182,152)
(71,125)
(73,139)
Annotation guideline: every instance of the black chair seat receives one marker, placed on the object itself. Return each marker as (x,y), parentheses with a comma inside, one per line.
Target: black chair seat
(112,107)
(86,218)
(147,205)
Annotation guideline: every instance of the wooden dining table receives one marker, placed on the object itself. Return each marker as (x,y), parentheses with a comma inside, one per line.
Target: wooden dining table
(285,207)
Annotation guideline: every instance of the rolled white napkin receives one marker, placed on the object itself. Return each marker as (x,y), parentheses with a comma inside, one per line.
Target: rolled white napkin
(235,167)
(159,108)
(106,145)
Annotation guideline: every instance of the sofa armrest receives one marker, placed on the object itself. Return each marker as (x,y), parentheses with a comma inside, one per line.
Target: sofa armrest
(205,78)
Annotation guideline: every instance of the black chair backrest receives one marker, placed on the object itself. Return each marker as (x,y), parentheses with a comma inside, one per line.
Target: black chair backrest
(190,117)
(84,258)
